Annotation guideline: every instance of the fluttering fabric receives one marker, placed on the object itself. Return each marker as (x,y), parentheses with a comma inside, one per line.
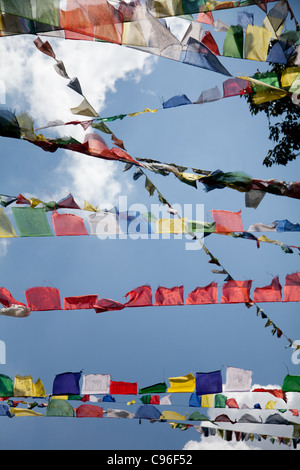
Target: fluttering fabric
(123,388)
(238,380)
(96,384)
(236,292)
(32,222)
(139,297)
(43,298)
(203,295)
(227,221)
(292,288)
(68,224)
(270,293)
(25,387)
(67,383)
(208,383)
(183,384)
(169,296)
(80,302)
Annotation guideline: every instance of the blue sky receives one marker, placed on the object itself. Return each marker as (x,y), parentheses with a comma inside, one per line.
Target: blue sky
(143,345)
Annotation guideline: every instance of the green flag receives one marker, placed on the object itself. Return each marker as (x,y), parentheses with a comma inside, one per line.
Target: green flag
(32,222)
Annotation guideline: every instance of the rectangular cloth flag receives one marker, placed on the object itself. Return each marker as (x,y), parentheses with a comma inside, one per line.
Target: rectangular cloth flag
(66,383)
(96,384)
(43,298)
(6,386)
(32,222)
(208,383)
(6,228)
(199,55)
(183,384)
(236,292)
(7,299)
(123,388)
(227,221)
(292,288)
(156,388)
(165,296)
(257,42)
(291,383)
(238,380)
(234,42)
(203,295)
(270,293)
(170,226)
(80,302)
(89,411)
(139,297)
(68,225)
(24,387)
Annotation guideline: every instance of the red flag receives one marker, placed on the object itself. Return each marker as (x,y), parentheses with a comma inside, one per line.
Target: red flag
(139,297)
(236,86)
(7,299)
(89,411)
(68,202)
(107,305)
(292,288)
(278,393)
(231,403)
(68,225)
(203,295)
(123,388)
(79,302)
(271,293)
(227,221)
(206,18)
(155,400)
(172,296)
(236,292)
(209,42)
(43,298)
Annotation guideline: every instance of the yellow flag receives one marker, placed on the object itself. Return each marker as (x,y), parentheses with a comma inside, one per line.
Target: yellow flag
(267,24)
(289,75)
(257,42)
(60,397)
(170,225)
(34,202)
(263,96)
(270,405)
(88,207)
(24,412)
(207,401)
(172,415)
(6,229)
(84,109)
(24,387)
(146,110)
(184,384)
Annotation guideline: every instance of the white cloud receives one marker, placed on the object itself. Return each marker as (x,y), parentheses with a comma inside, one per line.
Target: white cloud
(33,86)
(217,443)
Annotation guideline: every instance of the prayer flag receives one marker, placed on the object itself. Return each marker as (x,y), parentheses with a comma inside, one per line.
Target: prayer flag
(6,386)
(208,382)
(96,384)
(68,225)
(183,384)
(68,203)
(270,293)
(165,296)
(291,383)
(80,302)
(170,226)
(207,401)
(208,41)
(199,55)
(123,388)
(60,408)
(107,305)
(179,100)
(43,298)
(203,295)
(66,383)
(207,96)
(156,388)
(236,86)
(234,41)
(257,42)
(238,380)
(227,221)
(147,412)
(89,411)
(236,292)
(6,228)
(292,288)
(139,297)
(170,415)
(24,387)
(32,222)
(7,299)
